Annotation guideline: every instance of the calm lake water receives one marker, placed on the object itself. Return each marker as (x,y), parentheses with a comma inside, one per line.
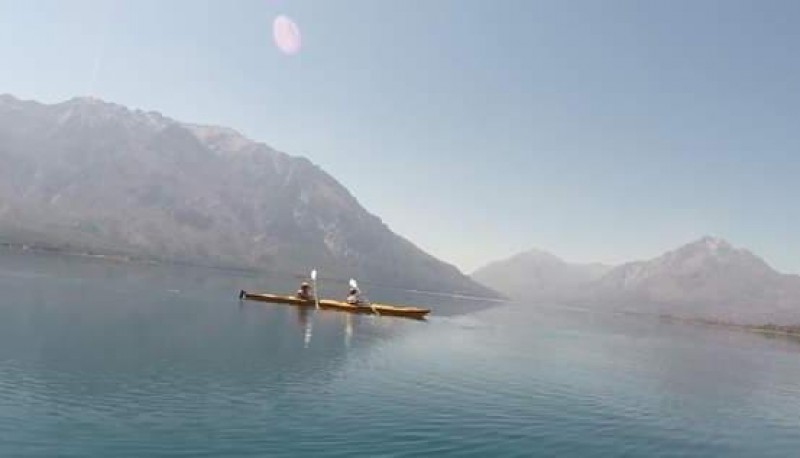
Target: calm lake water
(104,359)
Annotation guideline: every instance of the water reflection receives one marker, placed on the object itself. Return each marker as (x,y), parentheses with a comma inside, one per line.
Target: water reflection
(348,330)
(309,325)
(305,318)
(303,315)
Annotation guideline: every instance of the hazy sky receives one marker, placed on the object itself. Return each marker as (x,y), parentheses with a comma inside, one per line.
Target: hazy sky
(599,130)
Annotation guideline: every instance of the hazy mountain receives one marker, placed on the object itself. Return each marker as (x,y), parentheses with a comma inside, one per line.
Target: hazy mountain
(538,275)
(90,175)
(707,279)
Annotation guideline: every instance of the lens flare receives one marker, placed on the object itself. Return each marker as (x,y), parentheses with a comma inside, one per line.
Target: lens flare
(286,35)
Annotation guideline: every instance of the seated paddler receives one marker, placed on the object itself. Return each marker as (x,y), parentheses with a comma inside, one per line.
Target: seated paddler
(305,292)
(354,297)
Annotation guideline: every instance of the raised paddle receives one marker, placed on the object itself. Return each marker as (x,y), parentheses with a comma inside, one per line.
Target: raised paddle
(316,291)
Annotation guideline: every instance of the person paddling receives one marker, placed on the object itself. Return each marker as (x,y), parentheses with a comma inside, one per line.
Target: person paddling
(305,292)
(354,297)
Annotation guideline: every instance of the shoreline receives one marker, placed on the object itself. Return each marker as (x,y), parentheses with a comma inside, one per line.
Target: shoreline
(113,257)
(765,329)
(133,259)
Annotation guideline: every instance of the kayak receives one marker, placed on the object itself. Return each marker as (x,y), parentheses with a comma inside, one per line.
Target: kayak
(328,304)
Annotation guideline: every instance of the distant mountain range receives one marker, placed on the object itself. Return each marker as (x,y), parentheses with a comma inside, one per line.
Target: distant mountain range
(538,274)
(86,175)
(708,279)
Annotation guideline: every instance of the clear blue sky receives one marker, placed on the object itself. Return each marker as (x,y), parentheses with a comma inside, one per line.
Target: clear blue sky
(599,130)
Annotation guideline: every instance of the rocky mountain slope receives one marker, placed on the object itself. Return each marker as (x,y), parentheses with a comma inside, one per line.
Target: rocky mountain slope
(709,279)
(90,175)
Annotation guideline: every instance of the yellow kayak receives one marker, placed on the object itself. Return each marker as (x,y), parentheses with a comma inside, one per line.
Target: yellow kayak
(328,304)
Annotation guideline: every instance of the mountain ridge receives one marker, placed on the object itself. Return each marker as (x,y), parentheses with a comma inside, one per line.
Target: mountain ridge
(98,176)
(536,274)
(707,279)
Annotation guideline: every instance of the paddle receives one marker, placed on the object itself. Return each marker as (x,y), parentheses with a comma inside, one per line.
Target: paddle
(316,291)
(354,285)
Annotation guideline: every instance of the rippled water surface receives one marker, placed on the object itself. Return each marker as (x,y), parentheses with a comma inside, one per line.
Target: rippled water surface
(103,359)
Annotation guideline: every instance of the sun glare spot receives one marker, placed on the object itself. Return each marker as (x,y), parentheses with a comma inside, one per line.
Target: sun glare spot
(286,35)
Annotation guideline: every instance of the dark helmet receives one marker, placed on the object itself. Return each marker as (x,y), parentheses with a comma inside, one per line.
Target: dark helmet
(353,291)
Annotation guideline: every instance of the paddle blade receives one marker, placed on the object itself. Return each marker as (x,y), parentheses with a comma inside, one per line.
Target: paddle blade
(353,284)
(316,290)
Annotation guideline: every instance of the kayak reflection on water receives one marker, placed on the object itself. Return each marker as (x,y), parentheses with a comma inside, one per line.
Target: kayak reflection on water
(348,330)
(302,316)
(306,324)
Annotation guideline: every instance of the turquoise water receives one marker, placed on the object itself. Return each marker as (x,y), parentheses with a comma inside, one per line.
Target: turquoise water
(103,359)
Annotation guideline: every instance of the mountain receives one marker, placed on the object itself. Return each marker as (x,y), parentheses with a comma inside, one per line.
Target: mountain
(94,176)
(708,279)
(538,275)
